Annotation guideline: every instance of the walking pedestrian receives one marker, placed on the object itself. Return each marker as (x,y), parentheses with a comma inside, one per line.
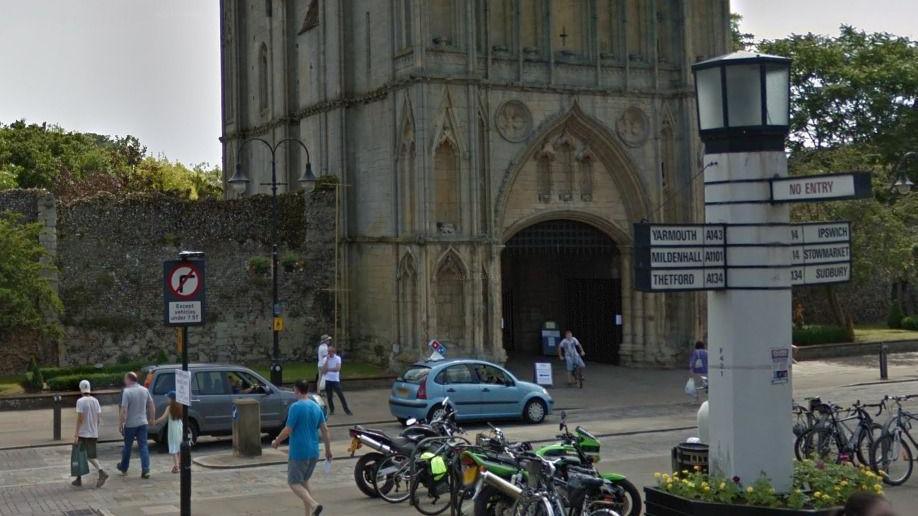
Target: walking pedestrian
(322,353)
(698,366)
(305,420)
(175,430)
(571,352)
(137,410)
(86,433)
(331,368)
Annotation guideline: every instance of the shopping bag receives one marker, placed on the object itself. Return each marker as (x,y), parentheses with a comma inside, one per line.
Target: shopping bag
(690,388)
(79,462)
(321,385)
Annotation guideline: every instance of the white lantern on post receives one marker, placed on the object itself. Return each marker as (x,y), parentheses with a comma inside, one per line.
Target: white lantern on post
(743,102)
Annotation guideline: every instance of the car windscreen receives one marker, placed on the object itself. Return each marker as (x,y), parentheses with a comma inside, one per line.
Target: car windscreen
(415,374)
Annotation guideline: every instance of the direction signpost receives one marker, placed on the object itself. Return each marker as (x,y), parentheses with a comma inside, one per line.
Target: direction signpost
(184,306)
(824,187)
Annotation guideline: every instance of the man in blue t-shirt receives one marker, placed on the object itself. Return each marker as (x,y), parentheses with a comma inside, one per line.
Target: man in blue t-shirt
(304,421)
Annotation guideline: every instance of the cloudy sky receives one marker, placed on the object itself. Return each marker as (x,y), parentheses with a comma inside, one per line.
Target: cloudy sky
(151,67)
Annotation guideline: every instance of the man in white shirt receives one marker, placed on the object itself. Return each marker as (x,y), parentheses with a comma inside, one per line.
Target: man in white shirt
(86,434)
(322,352)
(331,368)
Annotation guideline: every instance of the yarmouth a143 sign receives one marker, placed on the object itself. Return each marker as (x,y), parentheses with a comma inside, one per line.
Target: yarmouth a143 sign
(684,257)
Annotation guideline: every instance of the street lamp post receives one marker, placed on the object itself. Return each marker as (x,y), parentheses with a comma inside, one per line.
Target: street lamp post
(903,184)
(743,114)
(239,182)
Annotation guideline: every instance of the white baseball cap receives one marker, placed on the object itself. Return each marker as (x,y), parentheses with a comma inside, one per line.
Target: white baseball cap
(84,386)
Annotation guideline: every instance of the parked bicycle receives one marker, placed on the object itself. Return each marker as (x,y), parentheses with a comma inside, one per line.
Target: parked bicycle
(832,437)
(890,455)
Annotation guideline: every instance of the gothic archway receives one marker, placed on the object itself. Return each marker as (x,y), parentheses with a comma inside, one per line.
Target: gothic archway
(567,273)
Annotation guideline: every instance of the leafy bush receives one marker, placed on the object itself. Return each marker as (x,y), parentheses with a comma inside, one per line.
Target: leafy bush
(819,334)
(71,382)
(894,319)
(290,261)
(116,369)
(259,265)
(910,323)
(816,485)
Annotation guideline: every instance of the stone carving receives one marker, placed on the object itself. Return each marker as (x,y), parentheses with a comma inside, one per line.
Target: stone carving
(514,121)
(633,127)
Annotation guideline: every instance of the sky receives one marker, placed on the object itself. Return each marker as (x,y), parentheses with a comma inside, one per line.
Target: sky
(151,68)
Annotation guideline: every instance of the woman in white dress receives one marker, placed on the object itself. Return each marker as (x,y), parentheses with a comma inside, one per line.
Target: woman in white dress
(175,430)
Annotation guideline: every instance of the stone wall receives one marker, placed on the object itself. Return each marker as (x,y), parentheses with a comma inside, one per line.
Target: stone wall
(109,252)
(865,303)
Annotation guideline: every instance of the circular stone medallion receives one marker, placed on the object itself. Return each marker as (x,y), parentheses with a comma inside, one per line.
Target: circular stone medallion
(633,127)
(513,121)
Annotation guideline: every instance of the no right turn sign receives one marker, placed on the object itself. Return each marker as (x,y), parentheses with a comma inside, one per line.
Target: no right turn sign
(183,292)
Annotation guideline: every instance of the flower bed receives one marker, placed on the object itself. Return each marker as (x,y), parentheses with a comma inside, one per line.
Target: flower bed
(818,488)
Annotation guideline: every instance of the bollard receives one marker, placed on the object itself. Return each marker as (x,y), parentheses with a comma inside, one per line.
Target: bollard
(57,417)
(884,353)
(246,428)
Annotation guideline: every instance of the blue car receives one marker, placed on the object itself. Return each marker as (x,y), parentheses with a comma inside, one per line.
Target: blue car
(476,389)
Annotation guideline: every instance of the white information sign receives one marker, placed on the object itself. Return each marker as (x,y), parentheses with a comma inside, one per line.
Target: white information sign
(824,187)
(183,387)
(184,312)
(687,279)
(821,254)
(543,374)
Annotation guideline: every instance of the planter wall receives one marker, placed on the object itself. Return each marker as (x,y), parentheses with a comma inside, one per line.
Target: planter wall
(661,503)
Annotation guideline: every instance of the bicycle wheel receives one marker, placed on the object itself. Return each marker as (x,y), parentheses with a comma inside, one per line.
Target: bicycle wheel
(428,495)
(865,443)
(536,505)
(393,478)
(817,443)
(891,457)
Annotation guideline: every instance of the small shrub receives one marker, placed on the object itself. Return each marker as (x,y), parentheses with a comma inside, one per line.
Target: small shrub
(71,382)
(894,318)
(819,334)
(116,369)
(290,261)
(259,265)
(162,357)
(910,323)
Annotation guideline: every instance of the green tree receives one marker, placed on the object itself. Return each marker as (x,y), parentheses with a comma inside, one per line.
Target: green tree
(27,301)
(853,108)
(739,40)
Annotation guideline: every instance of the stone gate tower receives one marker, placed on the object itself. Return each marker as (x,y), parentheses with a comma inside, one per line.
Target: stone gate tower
(492,156)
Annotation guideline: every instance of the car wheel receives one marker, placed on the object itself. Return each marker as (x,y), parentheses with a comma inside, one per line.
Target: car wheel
(534,411)
(195,432)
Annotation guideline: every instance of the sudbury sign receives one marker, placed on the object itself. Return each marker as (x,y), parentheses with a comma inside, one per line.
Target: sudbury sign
(722,256)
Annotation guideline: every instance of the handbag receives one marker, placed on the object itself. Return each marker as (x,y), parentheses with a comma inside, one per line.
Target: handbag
(321,385)
(690,387)
(79,461)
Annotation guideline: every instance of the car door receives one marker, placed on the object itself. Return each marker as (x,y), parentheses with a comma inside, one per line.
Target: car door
(210,395)
(459,383)
(500,397)
(246,385)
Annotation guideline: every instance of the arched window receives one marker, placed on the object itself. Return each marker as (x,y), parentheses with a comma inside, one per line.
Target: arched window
(442,23)
(568,27)
(544,164)
(446,187)
(263,78)
(532,18)
(408,305)
(450,302)
(406,173)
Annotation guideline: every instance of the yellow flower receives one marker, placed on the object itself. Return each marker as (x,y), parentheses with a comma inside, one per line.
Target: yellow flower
(657,475)
(669,485)
(844,483)
(749,489)
(685,472)
(877,487)
(706,489)
(723,485)
(817,494)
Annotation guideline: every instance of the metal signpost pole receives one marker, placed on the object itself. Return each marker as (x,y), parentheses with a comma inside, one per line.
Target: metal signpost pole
(277,373)
(185,480)
(183,306)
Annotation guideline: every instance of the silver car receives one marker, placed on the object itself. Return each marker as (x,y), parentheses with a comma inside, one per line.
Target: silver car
(214,387)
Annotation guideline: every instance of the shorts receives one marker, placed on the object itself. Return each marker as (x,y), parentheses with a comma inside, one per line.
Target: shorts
(89,444)
(299,471)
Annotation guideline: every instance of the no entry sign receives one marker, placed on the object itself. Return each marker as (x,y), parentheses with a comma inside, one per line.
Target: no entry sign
(825,187)
(183,292)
